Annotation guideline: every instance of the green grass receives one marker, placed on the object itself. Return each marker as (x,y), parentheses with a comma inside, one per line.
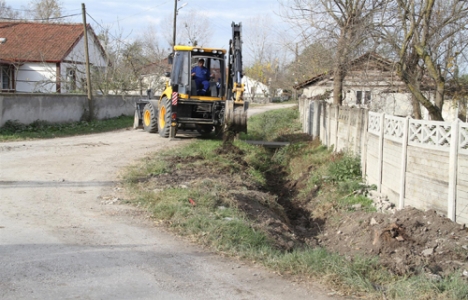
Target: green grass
(272,125)
(216,222)
(15,131)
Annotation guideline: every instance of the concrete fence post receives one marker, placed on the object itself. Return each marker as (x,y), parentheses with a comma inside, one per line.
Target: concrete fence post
(305,112)
(312,118)
(348,129)
(316,121)
(381,148)
(364,136)
(337,121)
(453,160)
(357,130)
(329,113)
(404,158)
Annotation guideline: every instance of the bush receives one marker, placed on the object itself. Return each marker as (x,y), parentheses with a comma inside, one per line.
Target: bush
(347,168)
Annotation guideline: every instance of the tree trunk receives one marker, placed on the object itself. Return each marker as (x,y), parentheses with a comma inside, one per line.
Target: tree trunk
(416,105)
(338,86)
(416,108)
(434,112)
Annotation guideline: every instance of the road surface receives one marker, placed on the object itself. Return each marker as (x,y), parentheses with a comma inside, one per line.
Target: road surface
(63,237)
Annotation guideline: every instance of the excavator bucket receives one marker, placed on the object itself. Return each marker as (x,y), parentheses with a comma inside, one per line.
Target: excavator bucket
(236,116)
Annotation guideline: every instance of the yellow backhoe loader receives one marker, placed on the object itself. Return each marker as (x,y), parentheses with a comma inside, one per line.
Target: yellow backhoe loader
(184,105)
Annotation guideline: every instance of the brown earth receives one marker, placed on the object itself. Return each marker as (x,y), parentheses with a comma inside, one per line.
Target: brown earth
(408,241)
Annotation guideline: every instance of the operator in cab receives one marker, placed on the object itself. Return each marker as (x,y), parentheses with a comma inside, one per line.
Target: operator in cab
(202,76)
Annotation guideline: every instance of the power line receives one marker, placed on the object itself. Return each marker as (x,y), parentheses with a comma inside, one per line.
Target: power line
(32,10)
(106,29)
(26,19)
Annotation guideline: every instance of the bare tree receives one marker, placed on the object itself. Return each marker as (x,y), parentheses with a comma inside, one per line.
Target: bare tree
(6,12)
(151,75)
(152,48)
(193,28)
(266,56)
(130,62)
(45,10)
(427,37)
(346,23)
(119,77)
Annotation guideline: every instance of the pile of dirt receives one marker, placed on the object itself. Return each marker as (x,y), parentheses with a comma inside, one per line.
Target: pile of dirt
(408,241)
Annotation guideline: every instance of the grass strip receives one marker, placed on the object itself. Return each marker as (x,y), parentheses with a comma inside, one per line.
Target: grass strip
(15,131)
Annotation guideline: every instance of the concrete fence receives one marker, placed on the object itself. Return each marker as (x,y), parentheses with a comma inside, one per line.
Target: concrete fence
(419,163)
(57,108)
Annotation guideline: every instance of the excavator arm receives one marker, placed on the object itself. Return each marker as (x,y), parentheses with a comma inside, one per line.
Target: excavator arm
(236,107)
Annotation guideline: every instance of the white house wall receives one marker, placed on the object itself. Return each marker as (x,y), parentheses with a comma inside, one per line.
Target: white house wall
(41,77)
(96,58)
(36,77)
(253,89)
(76,60)
(382,101)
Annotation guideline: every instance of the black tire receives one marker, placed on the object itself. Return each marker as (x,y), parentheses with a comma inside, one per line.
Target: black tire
(137,122)
(150,118)
(164,119)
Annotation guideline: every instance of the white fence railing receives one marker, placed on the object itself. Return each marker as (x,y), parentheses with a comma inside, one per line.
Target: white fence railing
(419,163)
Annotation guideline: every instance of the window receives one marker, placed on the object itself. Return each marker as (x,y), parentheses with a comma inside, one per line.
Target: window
(6,76)
(367,97)
(71,79)
(215,66)
(180,72)
(358,97)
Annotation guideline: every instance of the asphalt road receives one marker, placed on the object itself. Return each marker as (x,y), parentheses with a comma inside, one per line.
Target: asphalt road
(62,235)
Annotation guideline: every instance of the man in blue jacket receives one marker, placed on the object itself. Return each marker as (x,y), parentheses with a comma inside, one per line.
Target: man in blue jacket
(201,75)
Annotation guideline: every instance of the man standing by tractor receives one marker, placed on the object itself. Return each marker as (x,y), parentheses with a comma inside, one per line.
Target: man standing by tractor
(202,77)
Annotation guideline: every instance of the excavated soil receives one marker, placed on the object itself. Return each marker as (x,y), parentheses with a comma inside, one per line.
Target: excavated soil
(408,241)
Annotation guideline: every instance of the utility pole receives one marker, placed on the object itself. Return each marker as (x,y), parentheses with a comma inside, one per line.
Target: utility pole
(174,29)
(176,11)
(88,73)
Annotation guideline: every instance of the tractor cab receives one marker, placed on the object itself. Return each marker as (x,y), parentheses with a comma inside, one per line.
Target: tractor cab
(185,59)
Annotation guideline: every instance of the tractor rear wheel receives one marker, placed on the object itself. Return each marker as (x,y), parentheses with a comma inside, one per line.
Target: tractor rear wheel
(164,120)
(150,118)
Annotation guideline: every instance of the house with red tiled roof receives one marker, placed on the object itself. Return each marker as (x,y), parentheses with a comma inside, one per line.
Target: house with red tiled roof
(47,57)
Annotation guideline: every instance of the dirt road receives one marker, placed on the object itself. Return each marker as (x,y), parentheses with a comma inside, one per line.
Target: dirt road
(61,236)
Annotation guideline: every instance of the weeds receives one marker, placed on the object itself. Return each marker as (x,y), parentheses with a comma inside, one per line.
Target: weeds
(344,168)
(325,182)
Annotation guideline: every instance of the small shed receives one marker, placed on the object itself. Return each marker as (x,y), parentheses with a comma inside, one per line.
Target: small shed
(371,82)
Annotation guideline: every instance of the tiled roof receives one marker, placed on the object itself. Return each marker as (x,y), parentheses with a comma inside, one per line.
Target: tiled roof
(38,42)
(366,57)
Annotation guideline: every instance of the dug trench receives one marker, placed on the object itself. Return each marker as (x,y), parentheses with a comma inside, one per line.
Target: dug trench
(406,241)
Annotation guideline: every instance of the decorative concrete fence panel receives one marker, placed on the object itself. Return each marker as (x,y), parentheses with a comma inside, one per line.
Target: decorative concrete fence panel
(419,163)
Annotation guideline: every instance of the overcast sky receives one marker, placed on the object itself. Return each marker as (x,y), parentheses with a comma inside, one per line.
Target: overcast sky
(133,17)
